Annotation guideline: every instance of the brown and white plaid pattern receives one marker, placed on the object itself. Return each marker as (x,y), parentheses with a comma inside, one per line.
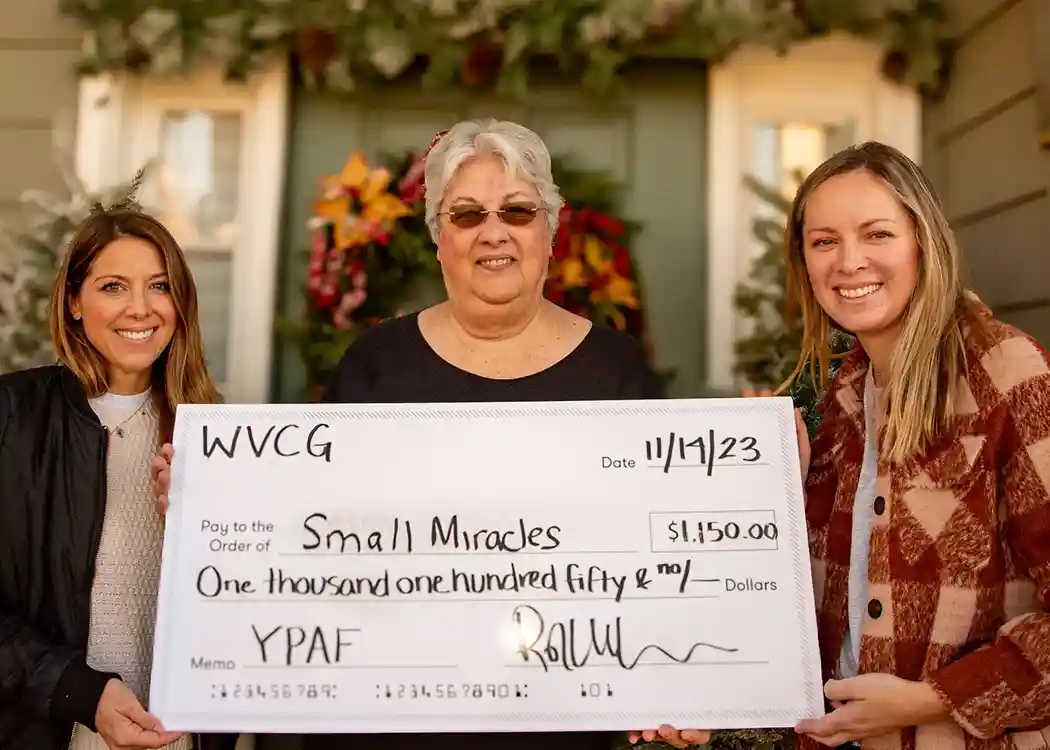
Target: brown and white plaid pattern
(959,568)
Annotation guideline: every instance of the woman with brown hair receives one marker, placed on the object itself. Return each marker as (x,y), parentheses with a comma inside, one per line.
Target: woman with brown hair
(80,542)
(928,482)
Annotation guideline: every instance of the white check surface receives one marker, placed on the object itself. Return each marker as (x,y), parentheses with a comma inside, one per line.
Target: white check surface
(486,567)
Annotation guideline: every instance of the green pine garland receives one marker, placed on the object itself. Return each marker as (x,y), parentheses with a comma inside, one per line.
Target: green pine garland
(347,43)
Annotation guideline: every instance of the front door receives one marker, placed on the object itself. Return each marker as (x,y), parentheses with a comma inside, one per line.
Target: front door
(651,140)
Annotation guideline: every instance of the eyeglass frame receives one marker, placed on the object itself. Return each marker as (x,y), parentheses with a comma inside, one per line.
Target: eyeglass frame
(531,210)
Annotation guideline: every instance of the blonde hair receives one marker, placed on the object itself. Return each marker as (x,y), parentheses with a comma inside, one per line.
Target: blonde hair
(929,356)
(180,374)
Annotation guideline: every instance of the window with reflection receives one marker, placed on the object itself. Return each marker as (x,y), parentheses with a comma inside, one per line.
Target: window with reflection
(784,153)
(781,155)
(196,193)
(782,150)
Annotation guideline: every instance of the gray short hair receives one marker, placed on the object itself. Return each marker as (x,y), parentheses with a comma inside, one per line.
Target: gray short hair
(524,153)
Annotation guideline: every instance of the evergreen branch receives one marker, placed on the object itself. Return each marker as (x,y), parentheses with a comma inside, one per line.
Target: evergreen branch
(127,200)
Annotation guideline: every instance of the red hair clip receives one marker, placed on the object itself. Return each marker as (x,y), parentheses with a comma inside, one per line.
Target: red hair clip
(434,142)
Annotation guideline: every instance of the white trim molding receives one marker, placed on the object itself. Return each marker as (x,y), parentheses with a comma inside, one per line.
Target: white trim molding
(99,118)
(824,82)
(118,130)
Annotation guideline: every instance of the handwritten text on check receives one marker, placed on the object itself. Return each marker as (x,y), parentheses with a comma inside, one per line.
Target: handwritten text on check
(486,567)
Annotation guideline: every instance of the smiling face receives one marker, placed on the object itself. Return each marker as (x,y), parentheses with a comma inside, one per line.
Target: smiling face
(494,263)
(861,254)
(127,311)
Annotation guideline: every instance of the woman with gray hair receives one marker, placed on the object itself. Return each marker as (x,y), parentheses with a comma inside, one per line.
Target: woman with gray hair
(492,209)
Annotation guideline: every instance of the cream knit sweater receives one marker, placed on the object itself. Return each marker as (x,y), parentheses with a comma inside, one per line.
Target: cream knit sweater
(124,594)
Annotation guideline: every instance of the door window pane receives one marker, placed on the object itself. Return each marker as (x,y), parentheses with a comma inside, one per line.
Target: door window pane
(212,274)
(784,153)
(198,177)
(196,195)
(780,150)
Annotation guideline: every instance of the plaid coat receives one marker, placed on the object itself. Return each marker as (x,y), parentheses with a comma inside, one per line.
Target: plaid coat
(959,568)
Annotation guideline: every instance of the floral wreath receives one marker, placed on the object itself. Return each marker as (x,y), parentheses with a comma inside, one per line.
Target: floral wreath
(371,250)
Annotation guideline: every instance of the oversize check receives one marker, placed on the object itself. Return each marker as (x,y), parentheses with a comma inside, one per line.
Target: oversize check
(486,567)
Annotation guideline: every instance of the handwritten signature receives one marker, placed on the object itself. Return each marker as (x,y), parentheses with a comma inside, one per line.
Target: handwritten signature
(571,644)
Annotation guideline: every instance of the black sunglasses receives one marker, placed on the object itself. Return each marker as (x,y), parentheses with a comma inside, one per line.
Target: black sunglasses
(515,216)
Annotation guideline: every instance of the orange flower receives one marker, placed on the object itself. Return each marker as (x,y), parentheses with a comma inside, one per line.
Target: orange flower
(368,183)
(571,272)
(369,186)
(386,207)
(619,290)
(595,252)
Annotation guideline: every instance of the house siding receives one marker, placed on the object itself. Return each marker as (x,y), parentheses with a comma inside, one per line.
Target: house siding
(982,151)
(38,86)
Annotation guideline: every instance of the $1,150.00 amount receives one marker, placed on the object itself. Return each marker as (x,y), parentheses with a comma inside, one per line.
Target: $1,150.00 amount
(723,530)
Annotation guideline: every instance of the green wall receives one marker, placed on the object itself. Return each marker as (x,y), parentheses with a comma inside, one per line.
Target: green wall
(652,138)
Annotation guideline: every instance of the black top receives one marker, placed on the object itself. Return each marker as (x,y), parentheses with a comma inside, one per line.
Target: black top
(393,363)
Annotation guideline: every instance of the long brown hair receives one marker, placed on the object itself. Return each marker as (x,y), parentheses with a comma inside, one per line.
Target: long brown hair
(180,375)
(929,357)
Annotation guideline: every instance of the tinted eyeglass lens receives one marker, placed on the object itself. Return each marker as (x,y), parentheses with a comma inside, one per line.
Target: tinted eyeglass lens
(468,218)
(517,216)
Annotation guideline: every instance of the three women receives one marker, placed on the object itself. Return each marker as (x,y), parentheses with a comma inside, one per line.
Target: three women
(927,486)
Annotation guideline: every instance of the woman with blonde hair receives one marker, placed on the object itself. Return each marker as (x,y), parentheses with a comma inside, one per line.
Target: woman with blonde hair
(928,482)
(80,541)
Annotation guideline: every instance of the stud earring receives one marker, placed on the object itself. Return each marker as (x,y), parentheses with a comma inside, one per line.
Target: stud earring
(76,316)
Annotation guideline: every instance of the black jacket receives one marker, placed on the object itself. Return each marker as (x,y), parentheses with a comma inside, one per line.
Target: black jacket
(52,503)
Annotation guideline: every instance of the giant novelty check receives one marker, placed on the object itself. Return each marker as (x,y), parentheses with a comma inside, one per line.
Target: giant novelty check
(486,568)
